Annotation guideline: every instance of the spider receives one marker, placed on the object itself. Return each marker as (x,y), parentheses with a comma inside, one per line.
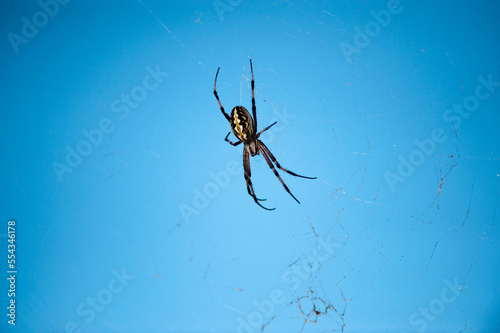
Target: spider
(244,128)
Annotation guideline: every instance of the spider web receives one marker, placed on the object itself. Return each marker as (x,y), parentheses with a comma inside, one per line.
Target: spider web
(393,106)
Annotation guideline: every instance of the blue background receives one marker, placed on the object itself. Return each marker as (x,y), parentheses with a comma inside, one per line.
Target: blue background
(160,199)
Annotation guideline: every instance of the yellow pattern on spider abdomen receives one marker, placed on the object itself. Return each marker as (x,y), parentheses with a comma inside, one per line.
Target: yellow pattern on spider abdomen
(241,123)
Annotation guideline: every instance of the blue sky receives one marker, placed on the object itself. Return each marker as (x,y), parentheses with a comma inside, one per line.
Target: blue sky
(131,210)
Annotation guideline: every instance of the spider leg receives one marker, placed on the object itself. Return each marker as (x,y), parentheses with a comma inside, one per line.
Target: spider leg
(268,152)
(265,129)
(246,166)
(248,189)
(234,144)
(254,108)
(264,153)
(217,96)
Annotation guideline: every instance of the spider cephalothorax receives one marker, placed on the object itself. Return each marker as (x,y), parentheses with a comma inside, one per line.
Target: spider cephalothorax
(244,128)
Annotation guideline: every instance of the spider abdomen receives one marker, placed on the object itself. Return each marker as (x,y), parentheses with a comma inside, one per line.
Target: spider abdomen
(242,124)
